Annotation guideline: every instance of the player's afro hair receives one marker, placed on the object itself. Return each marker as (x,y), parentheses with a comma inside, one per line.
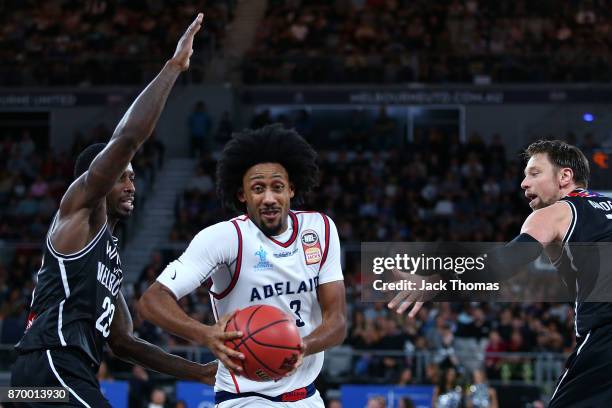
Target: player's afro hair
(86,157)
(269,144)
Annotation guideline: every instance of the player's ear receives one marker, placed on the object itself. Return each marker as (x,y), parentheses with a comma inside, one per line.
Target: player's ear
(566,175)
(291,190)
(240,195)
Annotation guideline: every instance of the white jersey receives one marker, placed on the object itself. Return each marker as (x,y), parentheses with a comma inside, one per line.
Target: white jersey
(245,267)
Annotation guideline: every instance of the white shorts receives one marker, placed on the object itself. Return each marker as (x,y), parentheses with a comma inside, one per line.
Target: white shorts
(314,401)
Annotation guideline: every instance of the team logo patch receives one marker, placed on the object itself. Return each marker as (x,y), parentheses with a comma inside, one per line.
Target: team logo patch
(263,261)
(311,246)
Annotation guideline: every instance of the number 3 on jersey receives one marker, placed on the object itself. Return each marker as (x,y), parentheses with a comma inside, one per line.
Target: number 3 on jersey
(109,311)
(295,305)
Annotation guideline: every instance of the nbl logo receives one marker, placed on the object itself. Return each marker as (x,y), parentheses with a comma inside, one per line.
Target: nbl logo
(310,238)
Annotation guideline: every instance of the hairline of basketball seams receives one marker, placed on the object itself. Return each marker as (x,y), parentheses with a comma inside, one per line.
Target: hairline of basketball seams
(248,324)
(272,345)
(261,362)
(250,335)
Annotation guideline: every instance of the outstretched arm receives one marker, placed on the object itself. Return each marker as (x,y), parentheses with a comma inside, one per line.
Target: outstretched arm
(541,228)
(132,131)
(159,306)
(130,348)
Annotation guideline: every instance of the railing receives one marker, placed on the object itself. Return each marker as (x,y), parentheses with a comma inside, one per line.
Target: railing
(341,364)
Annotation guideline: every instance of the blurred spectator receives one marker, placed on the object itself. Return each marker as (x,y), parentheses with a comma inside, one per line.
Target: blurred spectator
(139,386)
(104,373)
(376,402)
(158,399)
(200,125)
(334,403)
(224,129)
(405,402)
(479,394)
(406,378)
(447,394)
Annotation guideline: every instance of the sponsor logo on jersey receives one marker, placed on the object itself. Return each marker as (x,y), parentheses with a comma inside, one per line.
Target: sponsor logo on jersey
(295,395)
(285,254)
(31,318)
(312,247)
(263,261)
(113,254)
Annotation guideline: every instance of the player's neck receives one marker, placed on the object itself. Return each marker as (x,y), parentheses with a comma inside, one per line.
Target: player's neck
(571,187)
(111,223)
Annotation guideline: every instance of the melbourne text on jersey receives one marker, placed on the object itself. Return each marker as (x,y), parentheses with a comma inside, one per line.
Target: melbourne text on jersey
(284,288)
(111,276)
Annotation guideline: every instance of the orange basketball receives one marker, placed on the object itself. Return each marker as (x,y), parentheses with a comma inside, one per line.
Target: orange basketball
(270,342)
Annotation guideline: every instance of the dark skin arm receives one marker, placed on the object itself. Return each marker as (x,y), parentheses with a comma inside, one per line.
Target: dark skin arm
(130,348)
(159,306)
(83,206)
(332,331)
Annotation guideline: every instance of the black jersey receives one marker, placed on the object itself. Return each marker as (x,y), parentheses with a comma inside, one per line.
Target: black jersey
(581,264)
(73,303)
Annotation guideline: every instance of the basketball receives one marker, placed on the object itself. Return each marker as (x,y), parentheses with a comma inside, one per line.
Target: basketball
(270,342)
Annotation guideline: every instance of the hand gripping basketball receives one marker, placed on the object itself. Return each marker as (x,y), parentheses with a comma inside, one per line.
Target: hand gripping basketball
(271,343)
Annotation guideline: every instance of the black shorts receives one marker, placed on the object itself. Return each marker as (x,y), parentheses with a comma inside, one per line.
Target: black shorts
(586,381)
(59,368)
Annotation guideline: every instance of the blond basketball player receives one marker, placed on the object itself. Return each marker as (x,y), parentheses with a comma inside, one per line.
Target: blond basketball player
(271,255)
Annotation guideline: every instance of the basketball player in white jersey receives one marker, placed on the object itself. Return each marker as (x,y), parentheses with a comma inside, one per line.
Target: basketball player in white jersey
(272,256)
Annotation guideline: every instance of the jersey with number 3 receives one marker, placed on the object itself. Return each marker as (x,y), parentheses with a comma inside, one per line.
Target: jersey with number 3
(73,303)
(244,267)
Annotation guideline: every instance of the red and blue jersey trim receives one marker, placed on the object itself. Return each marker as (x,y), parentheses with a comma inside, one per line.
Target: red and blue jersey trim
(584,193)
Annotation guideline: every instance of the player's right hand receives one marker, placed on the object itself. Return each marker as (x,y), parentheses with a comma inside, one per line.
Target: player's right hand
(184,48)
(415,298)
(215,341)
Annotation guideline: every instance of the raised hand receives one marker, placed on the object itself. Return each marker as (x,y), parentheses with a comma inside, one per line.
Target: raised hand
(184,48)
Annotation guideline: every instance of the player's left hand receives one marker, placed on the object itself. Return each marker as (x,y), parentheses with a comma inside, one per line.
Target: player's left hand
(209,372)
(184,48)
(299,361)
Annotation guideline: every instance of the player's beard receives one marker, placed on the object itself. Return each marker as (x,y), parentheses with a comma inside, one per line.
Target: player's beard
(272,230)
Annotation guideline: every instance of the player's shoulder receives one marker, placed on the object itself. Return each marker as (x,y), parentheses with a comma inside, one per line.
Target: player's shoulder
(219,230)
(311,215)
(581,200)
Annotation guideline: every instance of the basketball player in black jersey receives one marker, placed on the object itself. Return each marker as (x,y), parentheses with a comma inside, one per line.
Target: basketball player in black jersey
(77,305)
(564,211)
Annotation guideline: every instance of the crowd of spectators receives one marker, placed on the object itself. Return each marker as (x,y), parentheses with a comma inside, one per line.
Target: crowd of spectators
(391,41)
(102,42)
